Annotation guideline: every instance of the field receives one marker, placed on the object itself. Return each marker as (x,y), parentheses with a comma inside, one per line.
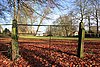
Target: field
(51,53)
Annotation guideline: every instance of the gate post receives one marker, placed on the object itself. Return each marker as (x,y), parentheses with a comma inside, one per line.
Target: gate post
(80,50)
(15,47)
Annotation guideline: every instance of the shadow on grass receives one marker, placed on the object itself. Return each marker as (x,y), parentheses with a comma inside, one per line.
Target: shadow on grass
(48,48)
(29,54)
(28,57)
(56,50)
(32,56)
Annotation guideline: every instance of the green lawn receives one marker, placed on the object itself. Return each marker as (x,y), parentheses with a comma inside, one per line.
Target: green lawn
(44,37)
(92,38)
(48,37)
(31,37)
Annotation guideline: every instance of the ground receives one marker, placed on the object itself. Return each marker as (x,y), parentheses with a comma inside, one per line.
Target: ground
(50,53)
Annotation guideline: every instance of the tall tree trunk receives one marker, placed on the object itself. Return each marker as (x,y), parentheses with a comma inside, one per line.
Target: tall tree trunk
(15,47)
(18,16)
(66,31)
(81,10)
(40,24)
(89,24)
(81,17)
(97,23)
(15,10)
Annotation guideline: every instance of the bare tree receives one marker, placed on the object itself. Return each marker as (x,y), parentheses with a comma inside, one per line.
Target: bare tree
(85,9)
(96,12)
(80,8)
(29,10)
(64,28)
(45,13)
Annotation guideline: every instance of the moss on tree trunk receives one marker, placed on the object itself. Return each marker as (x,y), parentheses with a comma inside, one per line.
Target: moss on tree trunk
(15,47)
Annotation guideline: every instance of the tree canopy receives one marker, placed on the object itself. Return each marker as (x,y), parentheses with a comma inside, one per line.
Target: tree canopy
(65,27)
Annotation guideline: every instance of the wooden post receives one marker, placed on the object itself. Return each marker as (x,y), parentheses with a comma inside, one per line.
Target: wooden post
(15,47)
(80,51)
(50,34)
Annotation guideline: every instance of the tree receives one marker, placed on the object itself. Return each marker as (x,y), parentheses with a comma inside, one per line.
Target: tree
(29,9)
(96,12)
(80,8)
(88,11)
(45,13)
(6,32)
(65,26)
(25,8)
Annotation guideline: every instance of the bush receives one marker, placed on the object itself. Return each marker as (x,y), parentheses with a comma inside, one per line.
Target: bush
(91,35)
(6,32)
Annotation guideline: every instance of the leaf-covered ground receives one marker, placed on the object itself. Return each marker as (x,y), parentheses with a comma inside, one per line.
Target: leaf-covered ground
(50,53)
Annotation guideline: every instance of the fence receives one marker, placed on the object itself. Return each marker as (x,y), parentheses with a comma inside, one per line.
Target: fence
(54,40)
(45,30)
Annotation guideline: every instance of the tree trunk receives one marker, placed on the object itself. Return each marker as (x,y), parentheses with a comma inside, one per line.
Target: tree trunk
(97,23)
(15,47)
(40,24)
(89,24)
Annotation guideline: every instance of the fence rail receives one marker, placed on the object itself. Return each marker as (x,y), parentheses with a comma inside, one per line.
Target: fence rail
(34,25)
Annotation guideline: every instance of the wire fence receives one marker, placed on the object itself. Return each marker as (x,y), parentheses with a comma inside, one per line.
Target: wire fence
(53,30)
(52,38)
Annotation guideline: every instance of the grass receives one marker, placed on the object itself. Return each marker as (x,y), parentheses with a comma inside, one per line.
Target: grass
(31,37)
(92,38)
(48,37)
(44,37)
